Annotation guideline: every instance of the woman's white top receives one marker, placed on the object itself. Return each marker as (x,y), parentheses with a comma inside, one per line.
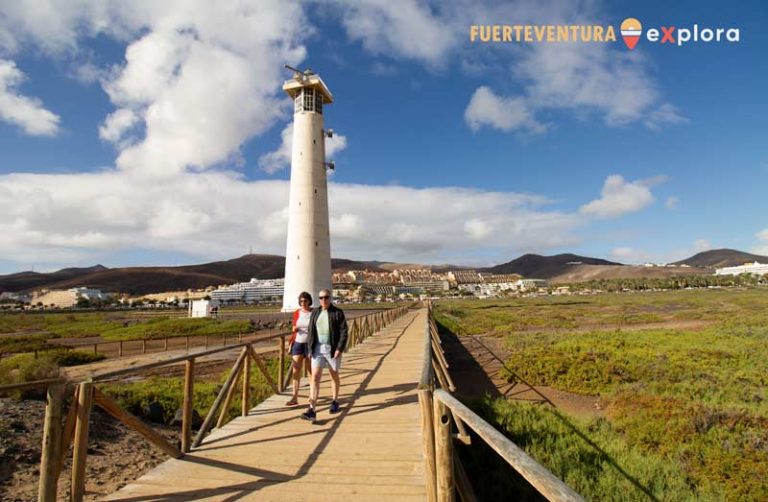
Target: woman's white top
(302,327)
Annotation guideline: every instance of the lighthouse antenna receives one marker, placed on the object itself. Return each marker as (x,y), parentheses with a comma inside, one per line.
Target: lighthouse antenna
(299,75)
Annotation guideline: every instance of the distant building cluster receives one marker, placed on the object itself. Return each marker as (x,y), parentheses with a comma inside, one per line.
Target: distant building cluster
(748,268)
(66,298)
(253,291)
(364,285)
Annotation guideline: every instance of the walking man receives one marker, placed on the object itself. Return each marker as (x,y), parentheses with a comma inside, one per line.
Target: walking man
(327,341)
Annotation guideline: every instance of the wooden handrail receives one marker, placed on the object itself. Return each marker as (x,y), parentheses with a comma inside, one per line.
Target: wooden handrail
(427,371)
(438,407)
(173,360)
(75,430)
(37,384)
(537,475)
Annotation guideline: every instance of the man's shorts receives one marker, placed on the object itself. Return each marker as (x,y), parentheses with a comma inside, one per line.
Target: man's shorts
(322,358)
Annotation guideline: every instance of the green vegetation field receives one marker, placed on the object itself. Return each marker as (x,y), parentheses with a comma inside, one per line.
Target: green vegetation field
(32,330)
(682,376)
(168,392)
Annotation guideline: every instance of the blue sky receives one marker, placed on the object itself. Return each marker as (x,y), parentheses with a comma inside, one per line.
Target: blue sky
(144,134)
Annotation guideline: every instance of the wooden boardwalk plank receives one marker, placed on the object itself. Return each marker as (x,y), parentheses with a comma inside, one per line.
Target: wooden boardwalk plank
(371,450)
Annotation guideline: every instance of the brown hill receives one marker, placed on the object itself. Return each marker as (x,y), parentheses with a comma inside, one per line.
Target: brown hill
(722,258)
(30,280)
(584,273)
(546,267)
(144,280)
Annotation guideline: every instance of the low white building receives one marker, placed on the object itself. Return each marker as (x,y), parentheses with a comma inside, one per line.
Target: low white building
(748,268)
(203,308)
(531,284)
(253,291)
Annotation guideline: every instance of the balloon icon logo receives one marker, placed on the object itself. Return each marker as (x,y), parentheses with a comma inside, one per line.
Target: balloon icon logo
(631,29)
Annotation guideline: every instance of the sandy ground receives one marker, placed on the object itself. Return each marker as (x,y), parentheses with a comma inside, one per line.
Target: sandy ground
(116,454)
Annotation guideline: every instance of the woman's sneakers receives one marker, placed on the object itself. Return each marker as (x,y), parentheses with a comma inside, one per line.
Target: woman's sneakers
(334,407)
(309,415)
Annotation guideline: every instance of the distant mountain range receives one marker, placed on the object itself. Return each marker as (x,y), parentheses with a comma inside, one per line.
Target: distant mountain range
(722,258)
(545,267)
(144,280)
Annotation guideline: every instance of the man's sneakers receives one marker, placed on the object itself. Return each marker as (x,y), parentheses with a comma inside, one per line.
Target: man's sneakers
(309,415)
(334,407)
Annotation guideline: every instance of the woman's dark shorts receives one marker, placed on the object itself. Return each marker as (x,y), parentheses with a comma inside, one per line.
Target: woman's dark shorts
(299,349)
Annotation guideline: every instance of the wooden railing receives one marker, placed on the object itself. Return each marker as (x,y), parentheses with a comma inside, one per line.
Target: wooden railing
(140,346)
(60,431)
(441,411)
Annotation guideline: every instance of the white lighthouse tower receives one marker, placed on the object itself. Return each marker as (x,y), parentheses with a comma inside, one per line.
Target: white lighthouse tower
(308,250)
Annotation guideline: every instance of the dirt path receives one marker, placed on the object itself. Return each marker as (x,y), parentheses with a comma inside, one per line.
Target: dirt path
(116,454)
(475,366)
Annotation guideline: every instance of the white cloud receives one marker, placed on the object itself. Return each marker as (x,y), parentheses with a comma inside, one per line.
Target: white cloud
(84,218)
(279,159)
(406,28)
(201,78)
(672,202)
(477,229)
(117,125)
(620,197)
(666,114)
(23,111)
(762,235)
(177,123)
(630,255)
(506,114)
(581,79)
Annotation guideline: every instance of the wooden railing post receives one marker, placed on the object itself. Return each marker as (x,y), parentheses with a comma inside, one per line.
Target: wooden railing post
(186,413)
(80,453)
(110,406)
(120,349)
(246,387)
(428,434)
(228,399)
(443,452)
(143,345)
(165,343)
(219,398)
(281,363)
(49,472)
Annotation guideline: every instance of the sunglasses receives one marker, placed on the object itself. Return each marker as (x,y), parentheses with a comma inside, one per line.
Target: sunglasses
(325,297)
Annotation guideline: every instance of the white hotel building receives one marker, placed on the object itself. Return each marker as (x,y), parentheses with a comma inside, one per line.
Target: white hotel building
(748,268)
(249,292)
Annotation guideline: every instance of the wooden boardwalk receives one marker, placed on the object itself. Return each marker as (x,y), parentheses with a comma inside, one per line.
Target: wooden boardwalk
(371,450)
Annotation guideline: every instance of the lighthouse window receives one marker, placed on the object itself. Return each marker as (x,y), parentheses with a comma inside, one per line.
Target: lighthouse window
(297,104)
(318,102)
(309,100)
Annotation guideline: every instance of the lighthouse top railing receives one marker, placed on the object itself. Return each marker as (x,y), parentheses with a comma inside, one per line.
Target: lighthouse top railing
(307,79)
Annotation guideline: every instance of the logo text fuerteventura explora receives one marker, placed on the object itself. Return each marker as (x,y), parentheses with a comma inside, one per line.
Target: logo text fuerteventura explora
(631,31)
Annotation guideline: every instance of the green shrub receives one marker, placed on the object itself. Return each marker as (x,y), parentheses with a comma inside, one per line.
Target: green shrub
(76,357)
(23,368)
(590,456)
(168,392)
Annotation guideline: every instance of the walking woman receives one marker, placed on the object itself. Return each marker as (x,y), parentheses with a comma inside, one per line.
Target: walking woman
(298,343)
